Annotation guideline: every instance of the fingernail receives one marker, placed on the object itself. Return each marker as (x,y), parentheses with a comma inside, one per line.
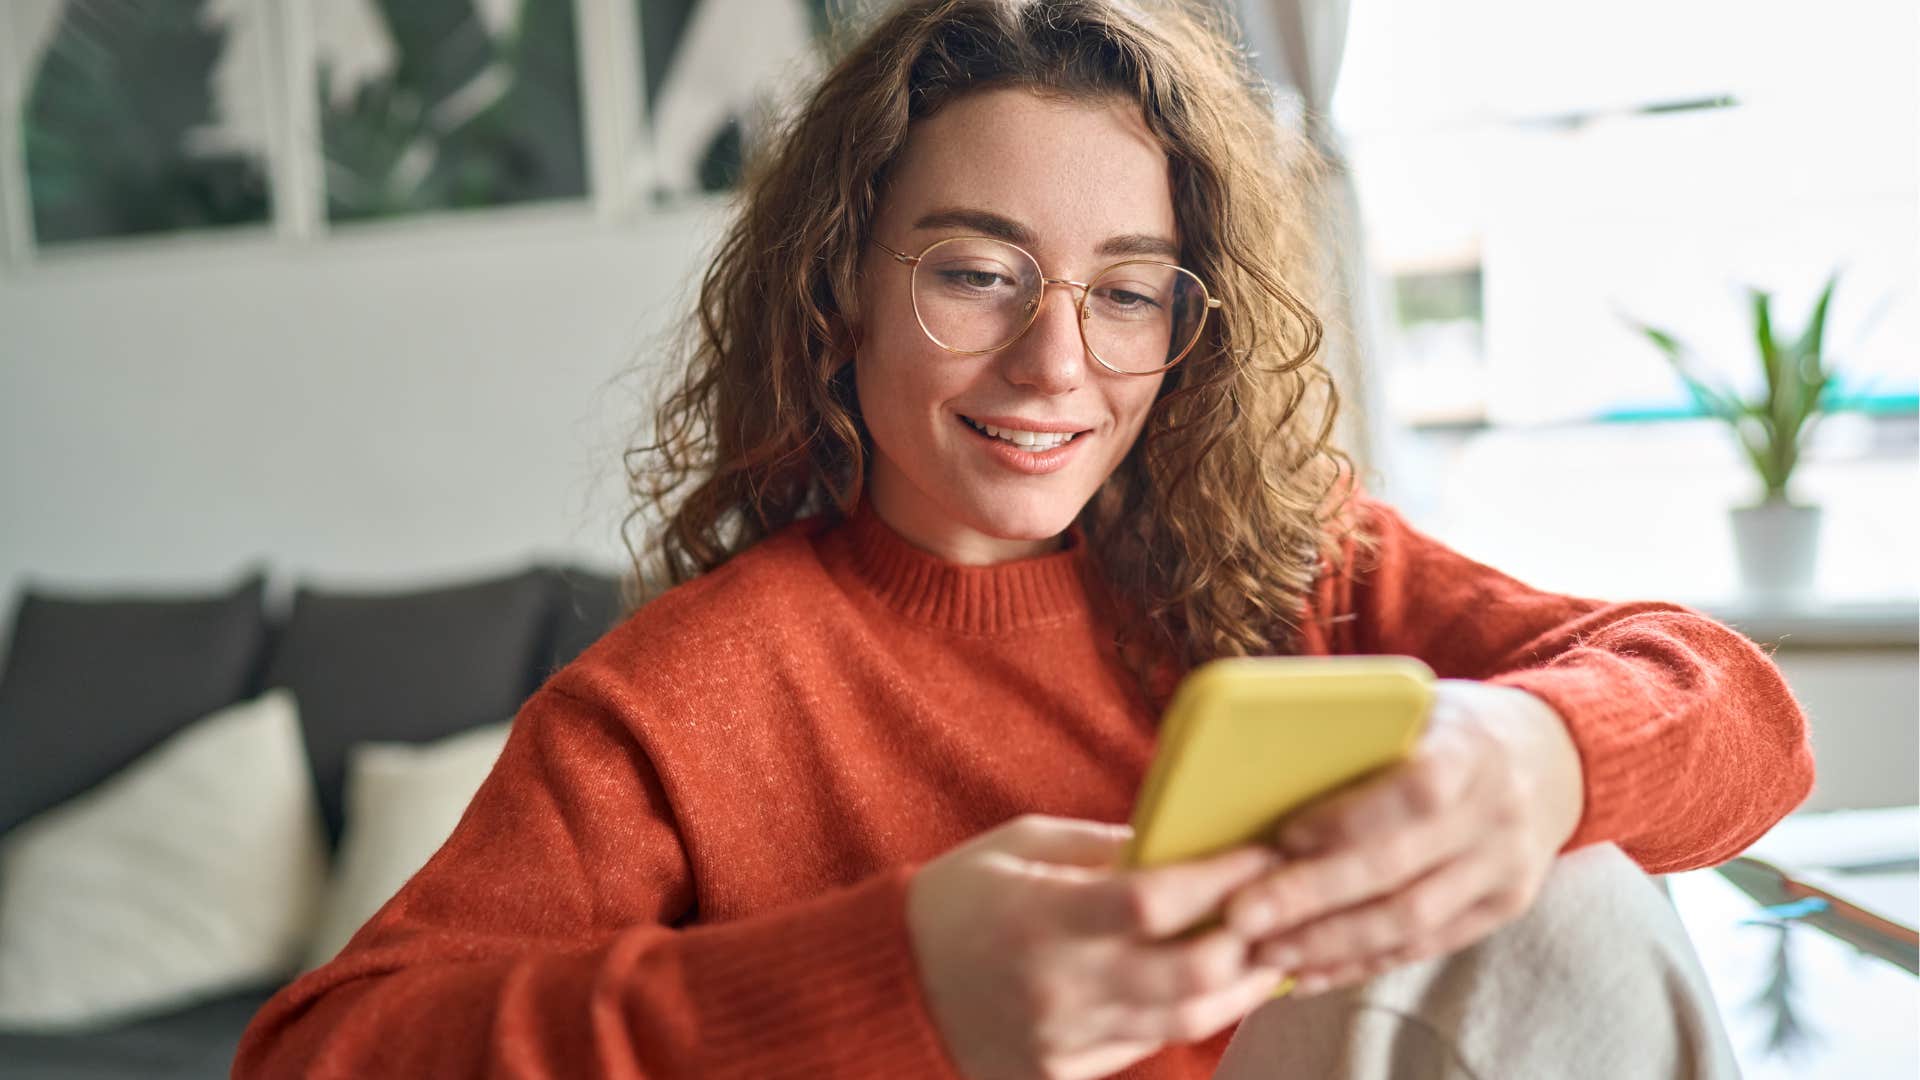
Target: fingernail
(1312,984)
(1284,957)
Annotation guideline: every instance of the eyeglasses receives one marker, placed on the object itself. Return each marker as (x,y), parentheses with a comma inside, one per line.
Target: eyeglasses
(975,295)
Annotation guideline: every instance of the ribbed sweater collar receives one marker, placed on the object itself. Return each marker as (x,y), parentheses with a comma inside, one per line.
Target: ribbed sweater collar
(1017,595)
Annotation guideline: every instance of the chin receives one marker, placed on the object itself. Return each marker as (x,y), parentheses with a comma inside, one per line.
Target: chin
(1039,522)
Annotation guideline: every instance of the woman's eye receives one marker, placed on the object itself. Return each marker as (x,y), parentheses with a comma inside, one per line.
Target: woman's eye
(1123,298)
(973,279)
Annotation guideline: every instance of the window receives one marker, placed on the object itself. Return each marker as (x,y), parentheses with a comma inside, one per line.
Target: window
(140,118)
(1532,180)
(711,90)
(447,104)
(125,121)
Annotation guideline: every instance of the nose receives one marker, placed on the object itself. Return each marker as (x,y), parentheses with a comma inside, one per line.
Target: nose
(1051,356)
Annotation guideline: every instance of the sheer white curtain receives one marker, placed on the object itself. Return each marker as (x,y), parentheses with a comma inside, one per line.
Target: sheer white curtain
(1298,44)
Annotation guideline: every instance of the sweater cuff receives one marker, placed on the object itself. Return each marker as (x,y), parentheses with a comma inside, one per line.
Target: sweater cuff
(1621,766)
(828,986)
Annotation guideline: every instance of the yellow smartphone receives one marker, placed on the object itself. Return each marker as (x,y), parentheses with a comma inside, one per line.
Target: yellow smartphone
(1247,740)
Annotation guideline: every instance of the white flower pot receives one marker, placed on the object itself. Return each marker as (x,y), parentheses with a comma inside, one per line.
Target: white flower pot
(1777,542)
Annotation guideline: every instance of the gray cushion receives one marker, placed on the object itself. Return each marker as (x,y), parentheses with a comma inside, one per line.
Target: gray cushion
(93,682)
(586,605)
(407,666)
(192,1043)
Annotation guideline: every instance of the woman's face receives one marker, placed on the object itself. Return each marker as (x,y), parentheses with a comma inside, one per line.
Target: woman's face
(1065,181)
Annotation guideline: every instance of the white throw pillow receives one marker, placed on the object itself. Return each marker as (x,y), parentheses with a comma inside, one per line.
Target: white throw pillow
(191,872)
(402,801)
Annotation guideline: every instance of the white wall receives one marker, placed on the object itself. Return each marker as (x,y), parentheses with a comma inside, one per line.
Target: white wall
(430,399)
(1861,706)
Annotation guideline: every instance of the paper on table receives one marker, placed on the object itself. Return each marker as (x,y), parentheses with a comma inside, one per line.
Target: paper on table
(1822,848)
(1895,896)
(1875,909)
(1837,839)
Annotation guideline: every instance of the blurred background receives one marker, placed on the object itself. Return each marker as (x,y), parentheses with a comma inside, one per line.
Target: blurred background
(369,295)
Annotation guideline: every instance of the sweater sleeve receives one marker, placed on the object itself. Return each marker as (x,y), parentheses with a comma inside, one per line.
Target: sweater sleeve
(553,936)
(1690,742)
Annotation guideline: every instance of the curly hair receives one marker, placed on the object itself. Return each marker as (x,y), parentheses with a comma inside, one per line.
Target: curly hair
(1210,534)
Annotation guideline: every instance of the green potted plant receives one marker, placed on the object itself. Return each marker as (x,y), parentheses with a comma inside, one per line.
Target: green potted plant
(1776,537)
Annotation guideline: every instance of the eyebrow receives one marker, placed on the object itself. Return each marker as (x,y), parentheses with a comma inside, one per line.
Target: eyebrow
(1000,227)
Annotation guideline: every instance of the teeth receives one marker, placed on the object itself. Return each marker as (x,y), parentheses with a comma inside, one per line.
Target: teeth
(1031,440)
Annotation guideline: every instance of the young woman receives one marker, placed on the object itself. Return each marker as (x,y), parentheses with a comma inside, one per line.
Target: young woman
(1002,410)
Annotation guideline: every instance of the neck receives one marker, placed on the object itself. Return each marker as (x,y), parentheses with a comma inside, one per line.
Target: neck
(1005,597)
(935,532)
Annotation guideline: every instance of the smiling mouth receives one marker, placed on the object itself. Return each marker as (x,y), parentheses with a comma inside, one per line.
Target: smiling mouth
(969,422)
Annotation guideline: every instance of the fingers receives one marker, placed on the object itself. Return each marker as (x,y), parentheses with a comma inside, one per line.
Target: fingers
(1467,929)
(1407,922)
(1067,841)
(1160,901)
(1433,781)
(1160,973)
(1196,1018)
(1301,892)
(1367,842)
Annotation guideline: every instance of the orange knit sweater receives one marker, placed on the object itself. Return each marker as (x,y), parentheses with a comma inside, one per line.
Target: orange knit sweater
(691,859)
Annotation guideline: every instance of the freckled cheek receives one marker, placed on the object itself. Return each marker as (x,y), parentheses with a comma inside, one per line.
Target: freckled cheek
(905,394)
(1132,413)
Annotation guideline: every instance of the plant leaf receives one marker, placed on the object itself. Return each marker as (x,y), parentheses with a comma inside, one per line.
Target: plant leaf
(1667,342)
(1715,402)
(1769,349)
(1810,339)
(106,121)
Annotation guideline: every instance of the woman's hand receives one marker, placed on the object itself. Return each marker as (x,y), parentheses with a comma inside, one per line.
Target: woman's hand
(1040,958)
(1424,858)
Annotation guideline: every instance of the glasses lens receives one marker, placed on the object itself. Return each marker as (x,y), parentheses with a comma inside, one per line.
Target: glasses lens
(1142,316)
(975,294)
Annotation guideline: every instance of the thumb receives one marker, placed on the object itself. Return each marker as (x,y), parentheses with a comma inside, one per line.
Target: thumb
(1065,841)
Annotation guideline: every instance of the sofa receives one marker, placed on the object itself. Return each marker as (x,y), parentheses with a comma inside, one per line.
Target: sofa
(242,754)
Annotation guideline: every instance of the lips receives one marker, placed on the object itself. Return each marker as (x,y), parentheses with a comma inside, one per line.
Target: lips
(1017,423)
(1052,444)
(1030,461)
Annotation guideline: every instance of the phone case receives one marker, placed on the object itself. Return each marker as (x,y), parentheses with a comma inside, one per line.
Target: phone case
(1246,740)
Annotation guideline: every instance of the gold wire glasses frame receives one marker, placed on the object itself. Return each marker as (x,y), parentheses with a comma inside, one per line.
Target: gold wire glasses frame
(1033,306)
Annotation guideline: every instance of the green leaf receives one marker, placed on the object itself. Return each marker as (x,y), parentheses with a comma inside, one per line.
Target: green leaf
(1757,447)
(534,127)
(462,120)
(1763,337)
(442,46)
(1811,364)
(1666,341)
(1774,429)
(1716,402)
(1809,344)
(107,119)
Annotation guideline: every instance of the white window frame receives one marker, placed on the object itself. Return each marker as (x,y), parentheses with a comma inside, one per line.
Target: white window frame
(16,220)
